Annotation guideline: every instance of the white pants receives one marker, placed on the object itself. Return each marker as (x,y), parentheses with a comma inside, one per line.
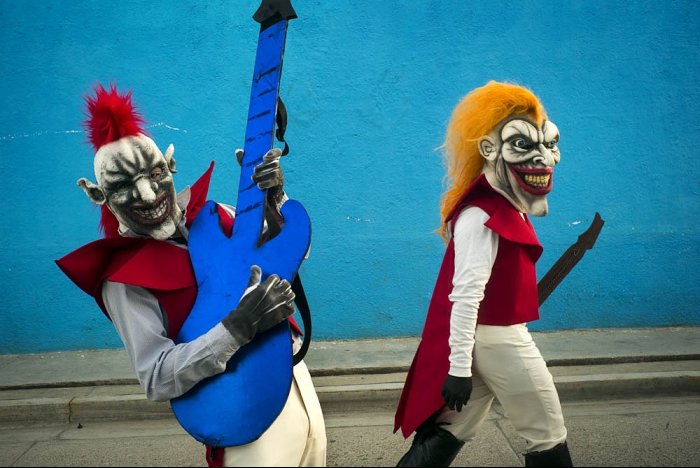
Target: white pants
(296,438)
(508,365)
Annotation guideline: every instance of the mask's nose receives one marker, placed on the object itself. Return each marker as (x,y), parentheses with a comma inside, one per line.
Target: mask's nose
(545,156)
(144,190)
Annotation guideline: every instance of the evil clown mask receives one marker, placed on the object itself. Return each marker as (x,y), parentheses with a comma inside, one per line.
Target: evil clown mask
(520,156)
(134,180)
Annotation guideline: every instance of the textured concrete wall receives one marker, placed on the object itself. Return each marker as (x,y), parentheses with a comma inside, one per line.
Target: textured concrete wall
(369,87)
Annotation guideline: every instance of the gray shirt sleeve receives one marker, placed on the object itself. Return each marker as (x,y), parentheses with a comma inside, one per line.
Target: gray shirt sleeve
(166,370)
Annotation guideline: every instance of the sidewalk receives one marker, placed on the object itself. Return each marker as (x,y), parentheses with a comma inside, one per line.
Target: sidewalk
(99,385)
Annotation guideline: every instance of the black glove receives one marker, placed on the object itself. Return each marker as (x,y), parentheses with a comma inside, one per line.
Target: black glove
(456,391)
(261,307)
(268,176)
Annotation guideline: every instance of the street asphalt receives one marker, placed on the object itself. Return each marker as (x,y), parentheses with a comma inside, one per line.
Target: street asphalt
(631,397)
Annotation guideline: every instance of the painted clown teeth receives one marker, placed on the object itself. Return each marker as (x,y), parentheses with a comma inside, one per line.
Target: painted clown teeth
(537,180)
(153,213)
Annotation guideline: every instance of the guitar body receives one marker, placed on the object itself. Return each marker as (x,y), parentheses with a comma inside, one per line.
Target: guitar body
(235,407)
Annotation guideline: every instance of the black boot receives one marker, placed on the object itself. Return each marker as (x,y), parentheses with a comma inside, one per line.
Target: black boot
(556,456)
(432,446)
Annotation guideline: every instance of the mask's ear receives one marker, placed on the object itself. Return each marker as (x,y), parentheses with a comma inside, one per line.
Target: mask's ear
(93,191)
(169,158)
(488,148)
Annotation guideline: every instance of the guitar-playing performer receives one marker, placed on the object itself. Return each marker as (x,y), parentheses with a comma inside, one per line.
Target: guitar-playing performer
(142,278)
(201,303)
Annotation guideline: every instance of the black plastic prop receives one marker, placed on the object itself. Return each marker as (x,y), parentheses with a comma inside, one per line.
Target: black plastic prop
(274,11)
(569,259)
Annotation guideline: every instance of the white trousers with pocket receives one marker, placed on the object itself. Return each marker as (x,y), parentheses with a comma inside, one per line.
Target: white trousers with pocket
(508,366)
(296,438)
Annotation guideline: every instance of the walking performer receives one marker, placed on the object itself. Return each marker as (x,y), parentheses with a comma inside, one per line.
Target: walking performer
(142,277)
(500,150)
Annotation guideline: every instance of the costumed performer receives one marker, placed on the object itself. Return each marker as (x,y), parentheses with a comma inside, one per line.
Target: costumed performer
(141,277)
(500,153)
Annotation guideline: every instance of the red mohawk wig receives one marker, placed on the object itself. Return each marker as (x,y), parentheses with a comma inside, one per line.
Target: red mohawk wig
(111,116)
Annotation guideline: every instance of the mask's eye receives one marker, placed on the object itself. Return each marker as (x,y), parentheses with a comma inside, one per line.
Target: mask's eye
(117,186)
(551,144)
(156,173)
(521,143)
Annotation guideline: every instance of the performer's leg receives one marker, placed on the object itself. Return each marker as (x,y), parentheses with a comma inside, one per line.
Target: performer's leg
(518,375)
(432,446)
(465,424)
(315,452)
(282,444)
(438,440)
(557,456)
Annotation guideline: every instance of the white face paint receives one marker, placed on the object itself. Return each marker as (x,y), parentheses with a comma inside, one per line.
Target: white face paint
(138,186)
(520,159)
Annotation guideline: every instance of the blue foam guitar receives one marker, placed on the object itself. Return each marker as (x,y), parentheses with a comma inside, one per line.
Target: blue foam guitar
(237,406)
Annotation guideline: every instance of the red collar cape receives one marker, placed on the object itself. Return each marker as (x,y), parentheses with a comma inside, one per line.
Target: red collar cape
(159,266)
(421,397)
(504,219)
(149,263)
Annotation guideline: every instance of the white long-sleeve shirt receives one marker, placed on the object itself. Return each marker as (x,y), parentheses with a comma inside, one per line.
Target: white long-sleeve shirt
(476,247)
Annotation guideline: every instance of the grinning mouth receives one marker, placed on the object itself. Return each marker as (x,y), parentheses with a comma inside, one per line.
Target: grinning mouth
(155,213)
(537,181)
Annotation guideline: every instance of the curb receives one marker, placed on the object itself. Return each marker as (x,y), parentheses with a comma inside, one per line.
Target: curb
(354,375)
(340,394)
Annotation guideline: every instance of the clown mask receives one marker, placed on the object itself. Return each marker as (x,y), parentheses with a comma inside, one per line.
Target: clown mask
(520,156)
(134,180)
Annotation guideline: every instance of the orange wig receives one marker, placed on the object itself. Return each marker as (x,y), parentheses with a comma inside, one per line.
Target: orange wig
(474,117)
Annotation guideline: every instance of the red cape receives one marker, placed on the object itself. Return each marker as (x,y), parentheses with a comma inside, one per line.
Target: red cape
(159,266)
(421,396)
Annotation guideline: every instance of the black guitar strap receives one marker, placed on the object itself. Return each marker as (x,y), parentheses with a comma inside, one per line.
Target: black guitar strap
(297,287)
(303,306)
(281,120)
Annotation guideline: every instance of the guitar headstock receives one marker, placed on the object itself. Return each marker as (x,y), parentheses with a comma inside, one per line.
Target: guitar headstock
(274,11)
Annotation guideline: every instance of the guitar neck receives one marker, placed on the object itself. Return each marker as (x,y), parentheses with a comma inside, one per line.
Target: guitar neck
(260,128)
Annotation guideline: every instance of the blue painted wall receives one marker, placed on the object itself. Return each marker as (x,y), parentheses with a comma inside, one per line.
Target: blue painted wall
(369,86)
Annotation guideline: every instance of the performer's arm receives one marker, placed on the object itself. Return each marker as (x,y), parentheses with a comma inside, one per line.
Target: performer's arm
(166,370)
(475,252)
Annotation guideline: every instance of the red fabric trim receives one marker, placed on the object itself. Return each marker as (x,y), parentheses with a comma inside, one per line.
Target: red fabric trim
(215,456)
(108,223)
(421,396)
(139,262)
(504,219)
(198,195)
(161,267)
(225,220)
(511,290)
(91,264)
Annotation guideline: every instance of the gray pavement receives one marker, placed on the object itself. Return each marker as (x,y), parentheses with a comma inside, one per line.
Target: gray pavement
(631,397)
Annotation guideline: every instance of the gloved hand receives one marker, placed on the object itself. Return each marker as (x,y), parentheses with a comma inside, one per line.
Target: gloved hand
(268,176)
(261,307)
(456,391)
